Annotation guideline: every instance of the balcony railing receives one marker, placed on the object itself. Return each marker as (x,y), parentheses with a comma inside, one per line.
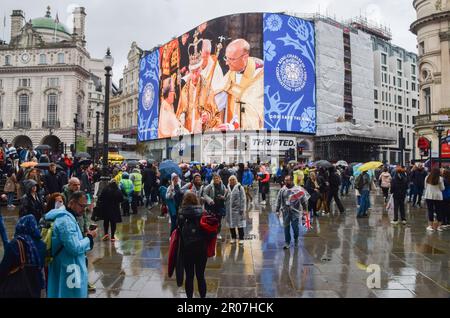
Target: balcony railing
(22,124)
(431,119)
(51,124)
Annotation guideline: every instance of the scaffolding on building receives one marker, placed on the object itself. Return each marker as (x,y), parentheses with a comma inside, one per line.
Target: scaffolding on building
(373,28)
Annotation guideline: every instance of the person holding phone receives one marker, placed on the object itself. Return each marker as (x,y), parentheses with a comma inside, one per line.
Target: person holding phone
(72,246)
(174,196)
(214,196)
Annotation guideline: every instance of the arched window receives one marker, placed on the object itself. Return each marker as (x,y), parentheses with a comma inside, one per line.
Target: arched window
(52,110)
(42,59)
(61,58)
(24,108)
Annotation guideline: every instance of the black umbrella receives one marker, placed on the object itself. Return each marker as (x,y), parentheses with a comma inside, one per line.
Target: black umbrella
(82,155)
(85,162)
(132,163)
(43,147)
(323,164)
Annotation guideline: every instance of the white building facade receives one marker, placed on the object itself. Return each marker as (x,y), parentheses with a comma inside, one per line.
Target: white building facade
(346,127)
(123,110)
(396,96)
(45,72)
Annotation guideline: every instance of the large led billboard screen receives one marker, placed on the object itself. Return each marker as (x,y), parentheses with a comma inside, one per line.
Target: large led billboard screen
(249,71)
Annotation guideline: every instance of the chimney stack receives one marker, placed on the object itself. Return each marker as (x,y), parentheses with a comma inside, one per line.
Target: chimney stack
(17,22)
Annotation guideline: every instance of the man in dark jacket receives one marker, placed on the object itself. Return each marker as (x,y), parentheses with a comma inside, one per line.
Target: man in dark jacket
(346,175)
(399,187)
(417,177)
(149,181)
(52,181)
(333,193)
(224,174)
(85,181)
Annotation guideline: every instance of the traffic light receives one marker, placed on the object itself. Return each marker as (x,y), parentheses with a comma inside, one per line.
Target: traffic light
(292,154)
(72,148)
(299,151)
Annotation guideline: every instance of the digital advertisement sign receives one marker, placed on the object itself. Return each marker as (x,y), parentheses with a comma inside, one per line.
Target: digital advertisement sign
(249,71)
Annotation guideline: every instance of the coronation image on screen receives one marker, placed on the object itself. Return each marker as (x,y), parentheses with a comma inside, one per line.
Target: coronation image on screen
(245,71)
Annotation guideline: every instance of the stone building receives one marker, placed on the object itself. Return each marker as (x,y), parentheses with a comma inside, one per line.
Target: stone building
(46,77)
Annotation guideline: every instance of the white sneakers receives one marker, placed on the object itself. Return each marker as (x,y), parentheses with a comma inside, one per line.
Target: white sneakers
(233,241)
(441,228)
(394,222)
(263,202)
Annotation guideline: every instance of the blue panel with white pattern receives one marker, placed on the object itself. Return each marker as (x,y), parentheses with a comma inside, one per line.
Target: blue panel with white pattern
(289,74)
(148,97)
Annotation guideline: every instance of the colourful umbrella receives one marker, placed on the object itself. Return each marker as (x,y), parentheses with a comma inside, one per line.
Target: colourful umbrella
(29,164)
(357,172)
(371,165)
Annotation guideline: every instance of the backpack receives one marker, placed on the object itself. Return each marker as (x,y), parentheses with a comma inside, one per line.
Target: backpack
(191,231)
(46,234)
(359,182)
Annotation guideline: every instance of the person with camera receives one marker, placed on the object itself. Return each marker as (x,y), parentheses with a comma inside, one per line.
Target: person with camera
(214,196)
(67,273)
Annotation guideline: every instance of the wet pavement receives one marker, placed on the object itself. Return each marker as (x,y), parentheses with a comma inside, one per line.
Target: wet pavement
(330,261)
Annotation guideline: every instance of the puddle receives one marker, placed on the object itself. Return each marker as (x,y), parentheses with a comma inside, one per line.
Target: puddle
(428,249)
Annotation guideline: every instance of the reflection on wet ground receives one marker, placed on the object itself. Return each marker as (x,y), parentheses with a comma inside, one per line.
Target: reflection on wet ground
(331,260)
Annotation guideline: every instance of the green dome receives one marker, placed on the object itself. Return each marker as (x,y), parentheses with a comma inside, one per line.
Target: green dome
(48,23)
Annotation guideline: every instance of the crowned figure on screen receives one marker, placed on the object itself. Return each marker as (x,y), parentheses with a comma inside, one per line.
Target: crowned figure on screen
(197,110)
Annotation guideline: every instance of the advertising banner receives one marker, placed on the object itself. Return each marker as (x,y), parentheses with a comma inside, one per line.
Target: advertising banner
(247,71)
(148,97)
(289,58)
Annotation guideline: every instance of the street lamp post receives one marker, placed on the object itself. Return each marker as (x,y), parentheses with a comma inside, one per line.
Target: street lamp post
(96,135)
(75,120)
(242,110)
(108,61)
(440,129)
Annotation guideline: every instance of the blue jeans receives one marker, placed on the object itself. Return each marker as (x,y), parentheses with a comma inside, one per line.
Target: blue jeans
(10,198)
(364,203)
(290,221)
(412,191)
(3,232)
(345,186)
(417,198)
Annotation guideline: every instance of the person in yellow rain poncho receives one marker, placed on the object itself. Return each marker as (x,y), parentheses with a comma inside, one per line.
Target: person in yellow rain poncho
(299,177)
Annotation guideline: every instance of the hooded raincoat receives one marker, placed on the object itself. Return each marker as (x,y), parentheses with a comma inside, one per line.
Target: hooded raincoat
(67,273)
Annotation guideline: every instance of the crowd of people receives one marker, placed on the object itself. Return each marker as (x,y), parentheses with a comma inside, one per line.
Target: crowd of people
(59,204)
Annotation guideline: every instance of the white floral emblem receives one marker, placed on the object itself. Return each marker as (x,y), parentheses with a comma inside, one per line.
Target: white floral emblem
(291,73)
(274,23)
(148,96)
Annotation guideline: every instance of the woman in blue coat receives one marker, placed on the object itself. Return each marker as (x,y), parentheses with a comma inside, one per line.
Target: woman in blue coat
(67,273)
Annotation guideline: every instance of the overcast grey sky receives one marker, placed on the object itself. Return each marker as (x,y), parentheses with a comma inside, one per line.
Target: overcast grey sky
(151,22)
